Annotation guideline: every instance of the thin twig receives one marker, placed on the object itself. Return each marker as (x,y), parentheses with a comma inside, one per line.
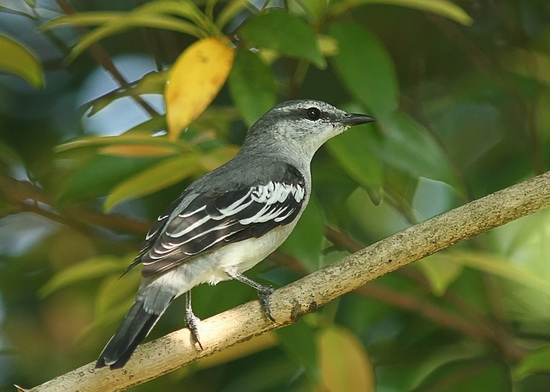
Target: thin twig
(100,56)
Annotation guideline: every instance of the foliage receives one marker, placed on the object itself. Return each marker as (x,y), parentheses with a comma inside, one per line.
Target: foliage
(460,91)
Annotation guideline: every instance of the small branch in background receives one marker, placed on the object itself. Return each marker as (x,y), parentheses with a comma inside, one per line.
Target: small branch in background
(100,56)
(23,196)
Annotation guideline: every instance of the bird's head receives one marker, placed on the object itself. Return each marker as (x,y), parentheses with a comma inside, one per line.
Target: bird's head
(303,124)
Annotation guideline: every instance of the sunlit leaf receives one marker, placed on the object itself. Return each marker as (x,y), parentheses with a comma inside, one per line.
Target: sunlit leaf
(344,362)
(184,8)
(439,271)
(91,18)
(285,33)
(501,267)
(155,14)
(130,21)
(366,69)
(18,60)
(138,150)
(537,361)
(328,45)
(135,138)
(195,79)
(444,8)
(354,153)
(153,179)
(253,95)
(92,268)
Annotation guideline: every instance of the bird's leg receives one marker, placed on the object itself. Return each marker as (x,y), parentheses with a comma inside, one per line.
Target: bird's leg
(263,291)
(191,320)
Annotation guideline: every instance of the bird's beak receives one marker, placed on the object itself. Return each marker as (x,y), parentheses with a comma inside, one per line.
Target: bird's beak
(352,119)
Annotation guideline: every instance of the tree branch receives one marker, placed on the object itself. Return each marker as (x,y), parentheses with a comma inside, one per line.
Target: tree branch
(100,56)
(289,303)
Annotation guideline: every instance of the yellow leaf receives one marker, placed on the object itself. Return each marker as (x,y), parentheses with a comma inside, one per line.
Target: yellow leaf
(195,79)
(344,362)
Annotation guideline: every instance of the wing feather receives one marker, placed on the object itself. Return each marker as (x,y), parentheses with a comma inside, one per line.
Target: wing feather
(214,219)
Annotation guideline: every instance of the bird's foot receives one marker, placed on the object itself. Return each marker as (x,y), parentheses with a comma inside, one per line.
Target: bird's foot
(263,291)
(192,323)
(191,320)
(264,294)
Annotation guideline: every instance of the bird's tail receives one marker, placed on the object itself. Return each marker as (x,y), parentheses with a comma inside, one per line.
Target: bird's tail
(135,327)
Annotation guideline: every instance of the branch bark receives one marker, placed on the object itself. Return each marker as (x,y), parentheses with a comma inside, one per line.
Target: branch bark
(289,303)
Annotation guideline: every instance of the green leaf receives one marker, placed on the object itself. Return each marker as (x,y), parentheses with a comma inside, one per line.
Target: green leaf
(92,18)
(153,179)
(90,269)
(537,361)
(116,292)
(353,152)
(410,147)
(18,8)
(230,11)
(94,176)
(149,15)
(154,15)
(113,300)
(18,60)
(344,362)
(366,69)
(499,266)
(133,138)
(306,240)
(527,63)
(440,271)
(419,372)
(444,8)
(314,10)
(150,83)
(298,341)
(286,34)
(130,21)
(253,96)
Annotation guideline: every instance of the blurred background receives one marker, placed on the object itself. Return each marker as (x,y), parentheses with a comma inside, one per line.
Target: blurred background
(460,90)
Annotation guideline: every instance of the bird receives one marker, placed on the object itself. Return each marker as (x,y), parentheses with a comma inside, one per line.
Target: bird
(229,219)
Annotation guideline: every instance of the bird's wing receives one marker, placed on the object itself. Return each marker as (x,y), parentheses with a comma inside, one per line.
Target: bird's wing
(215,218)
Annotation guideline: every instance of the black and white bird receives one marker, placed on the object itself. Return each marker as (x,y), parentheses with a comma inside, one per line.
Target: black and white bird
(230,219)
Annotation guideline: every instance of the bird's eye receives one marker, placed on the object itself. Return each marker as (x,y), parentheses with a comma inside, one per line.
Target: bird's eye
(313,114)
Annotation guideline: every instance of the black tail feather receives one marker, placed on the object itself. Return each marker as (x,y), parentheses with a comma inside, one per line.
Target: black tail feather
(135,327)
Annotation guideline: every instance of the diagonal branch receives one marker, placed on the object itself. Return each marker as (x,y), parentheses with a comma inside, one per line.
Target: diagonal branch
(289,303)
(102,58)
